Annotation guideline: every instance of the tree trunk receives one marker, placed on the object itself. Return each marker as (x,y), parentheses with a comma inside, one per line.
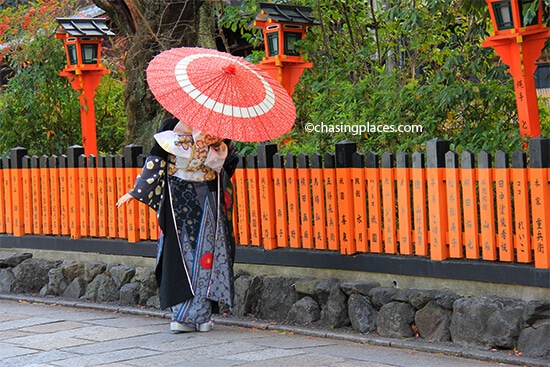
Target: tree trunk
(150,27)
(207,27)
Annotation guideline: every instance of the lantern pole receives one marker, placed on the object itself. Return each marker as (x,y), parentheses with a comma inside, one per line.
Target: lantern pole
(86,84)
(519,46)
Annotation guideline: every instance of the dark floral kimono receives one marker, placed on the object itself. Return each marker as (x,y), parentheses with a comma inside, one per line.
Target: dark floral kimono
(186,179)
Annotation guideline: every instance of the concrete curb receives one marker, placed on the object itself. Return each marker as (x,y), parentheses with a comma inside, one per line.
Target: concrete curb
(371,339)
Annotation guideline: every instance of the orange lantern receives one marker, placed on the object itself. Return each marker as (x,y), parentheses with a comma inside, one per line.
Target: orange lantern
(282,26)
(519,44)
(82,38)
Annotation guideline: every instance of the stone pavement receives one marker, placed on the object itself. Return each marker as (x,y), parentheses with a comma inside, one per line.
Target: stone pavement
(38,331)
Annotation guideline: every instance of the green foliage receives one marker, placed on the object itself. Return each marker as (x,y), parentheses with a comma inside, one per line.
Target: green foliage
(238,19)
(411,63)
(110,115)
(397,74)
(39,110)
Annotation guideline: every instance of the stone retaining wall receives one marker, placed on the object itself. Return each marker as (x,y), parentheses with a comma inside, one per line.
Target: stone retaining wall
(483,322)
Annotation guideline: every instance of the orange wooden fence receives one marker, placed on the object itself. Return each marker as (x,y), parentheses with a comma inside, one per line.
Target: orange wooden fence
(434,204)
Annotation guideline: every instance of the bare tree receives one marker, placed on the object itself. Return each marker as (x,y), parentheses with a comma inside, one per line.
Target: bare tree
(150,26)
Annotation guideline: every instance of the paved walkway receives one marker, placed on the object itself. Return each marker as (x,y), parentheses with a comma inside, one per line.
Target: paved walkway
(45,332)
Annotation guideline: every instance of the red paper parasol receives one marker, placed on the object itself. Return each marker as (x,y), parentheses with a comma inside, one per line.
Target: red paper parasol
(220,94)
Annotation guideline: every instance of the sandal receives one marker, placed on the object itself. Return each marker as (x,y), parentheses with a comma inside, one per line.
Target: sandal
(181,328)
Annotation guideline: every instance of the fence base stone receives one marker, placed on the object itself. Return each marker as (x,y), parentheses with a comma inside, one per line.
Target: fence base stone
(76,289)
(395,320)
(335,312)
(487,321)
(433,321)
(433,315)
(530,337)
(6,280)
(304,311)
(362,314)
(129,294)
(31,275)
(11,259)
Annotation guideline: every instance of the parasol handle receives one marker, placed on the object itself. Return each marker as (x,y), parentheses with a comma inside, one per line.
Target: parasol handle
(230,69)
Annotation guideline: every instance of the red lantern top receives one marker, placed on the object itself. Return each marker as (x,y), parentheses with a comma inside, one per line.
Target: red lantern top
(283,25)
(82,38)
(507,16)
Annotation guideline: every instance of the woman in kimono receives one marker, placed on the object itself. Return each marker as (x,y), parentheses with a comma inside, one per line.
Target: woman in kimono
(186,179)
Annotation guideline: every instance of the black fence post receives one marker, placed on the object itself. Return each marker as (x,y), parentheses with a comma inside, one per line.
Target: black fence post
(43,161)
(26,163)
(35,161)
(120,161)
(6,162)
(435,152)
(303,160)
(344,152)
(387,160)
(17,155)
(73,152)
(316,160)
(241,161)
(451,159)
(101,162)
(519,159)
(53,161)
(502,159)
(329,160)
(251,161)
(131,155)
(92,161)
(290,161)
(402,160)
(418,160)
(63,161)
(539,152)
(467,160)
(265,154)
(110,161)
(358,160)
(484,159)
(372,160)
(83,161)
(278,160)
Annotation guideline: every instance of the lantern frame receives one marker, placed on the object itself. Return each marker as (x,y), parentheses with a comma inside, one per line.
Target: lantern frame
(82,38)
(507,15)
(271,40)
(282,27)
